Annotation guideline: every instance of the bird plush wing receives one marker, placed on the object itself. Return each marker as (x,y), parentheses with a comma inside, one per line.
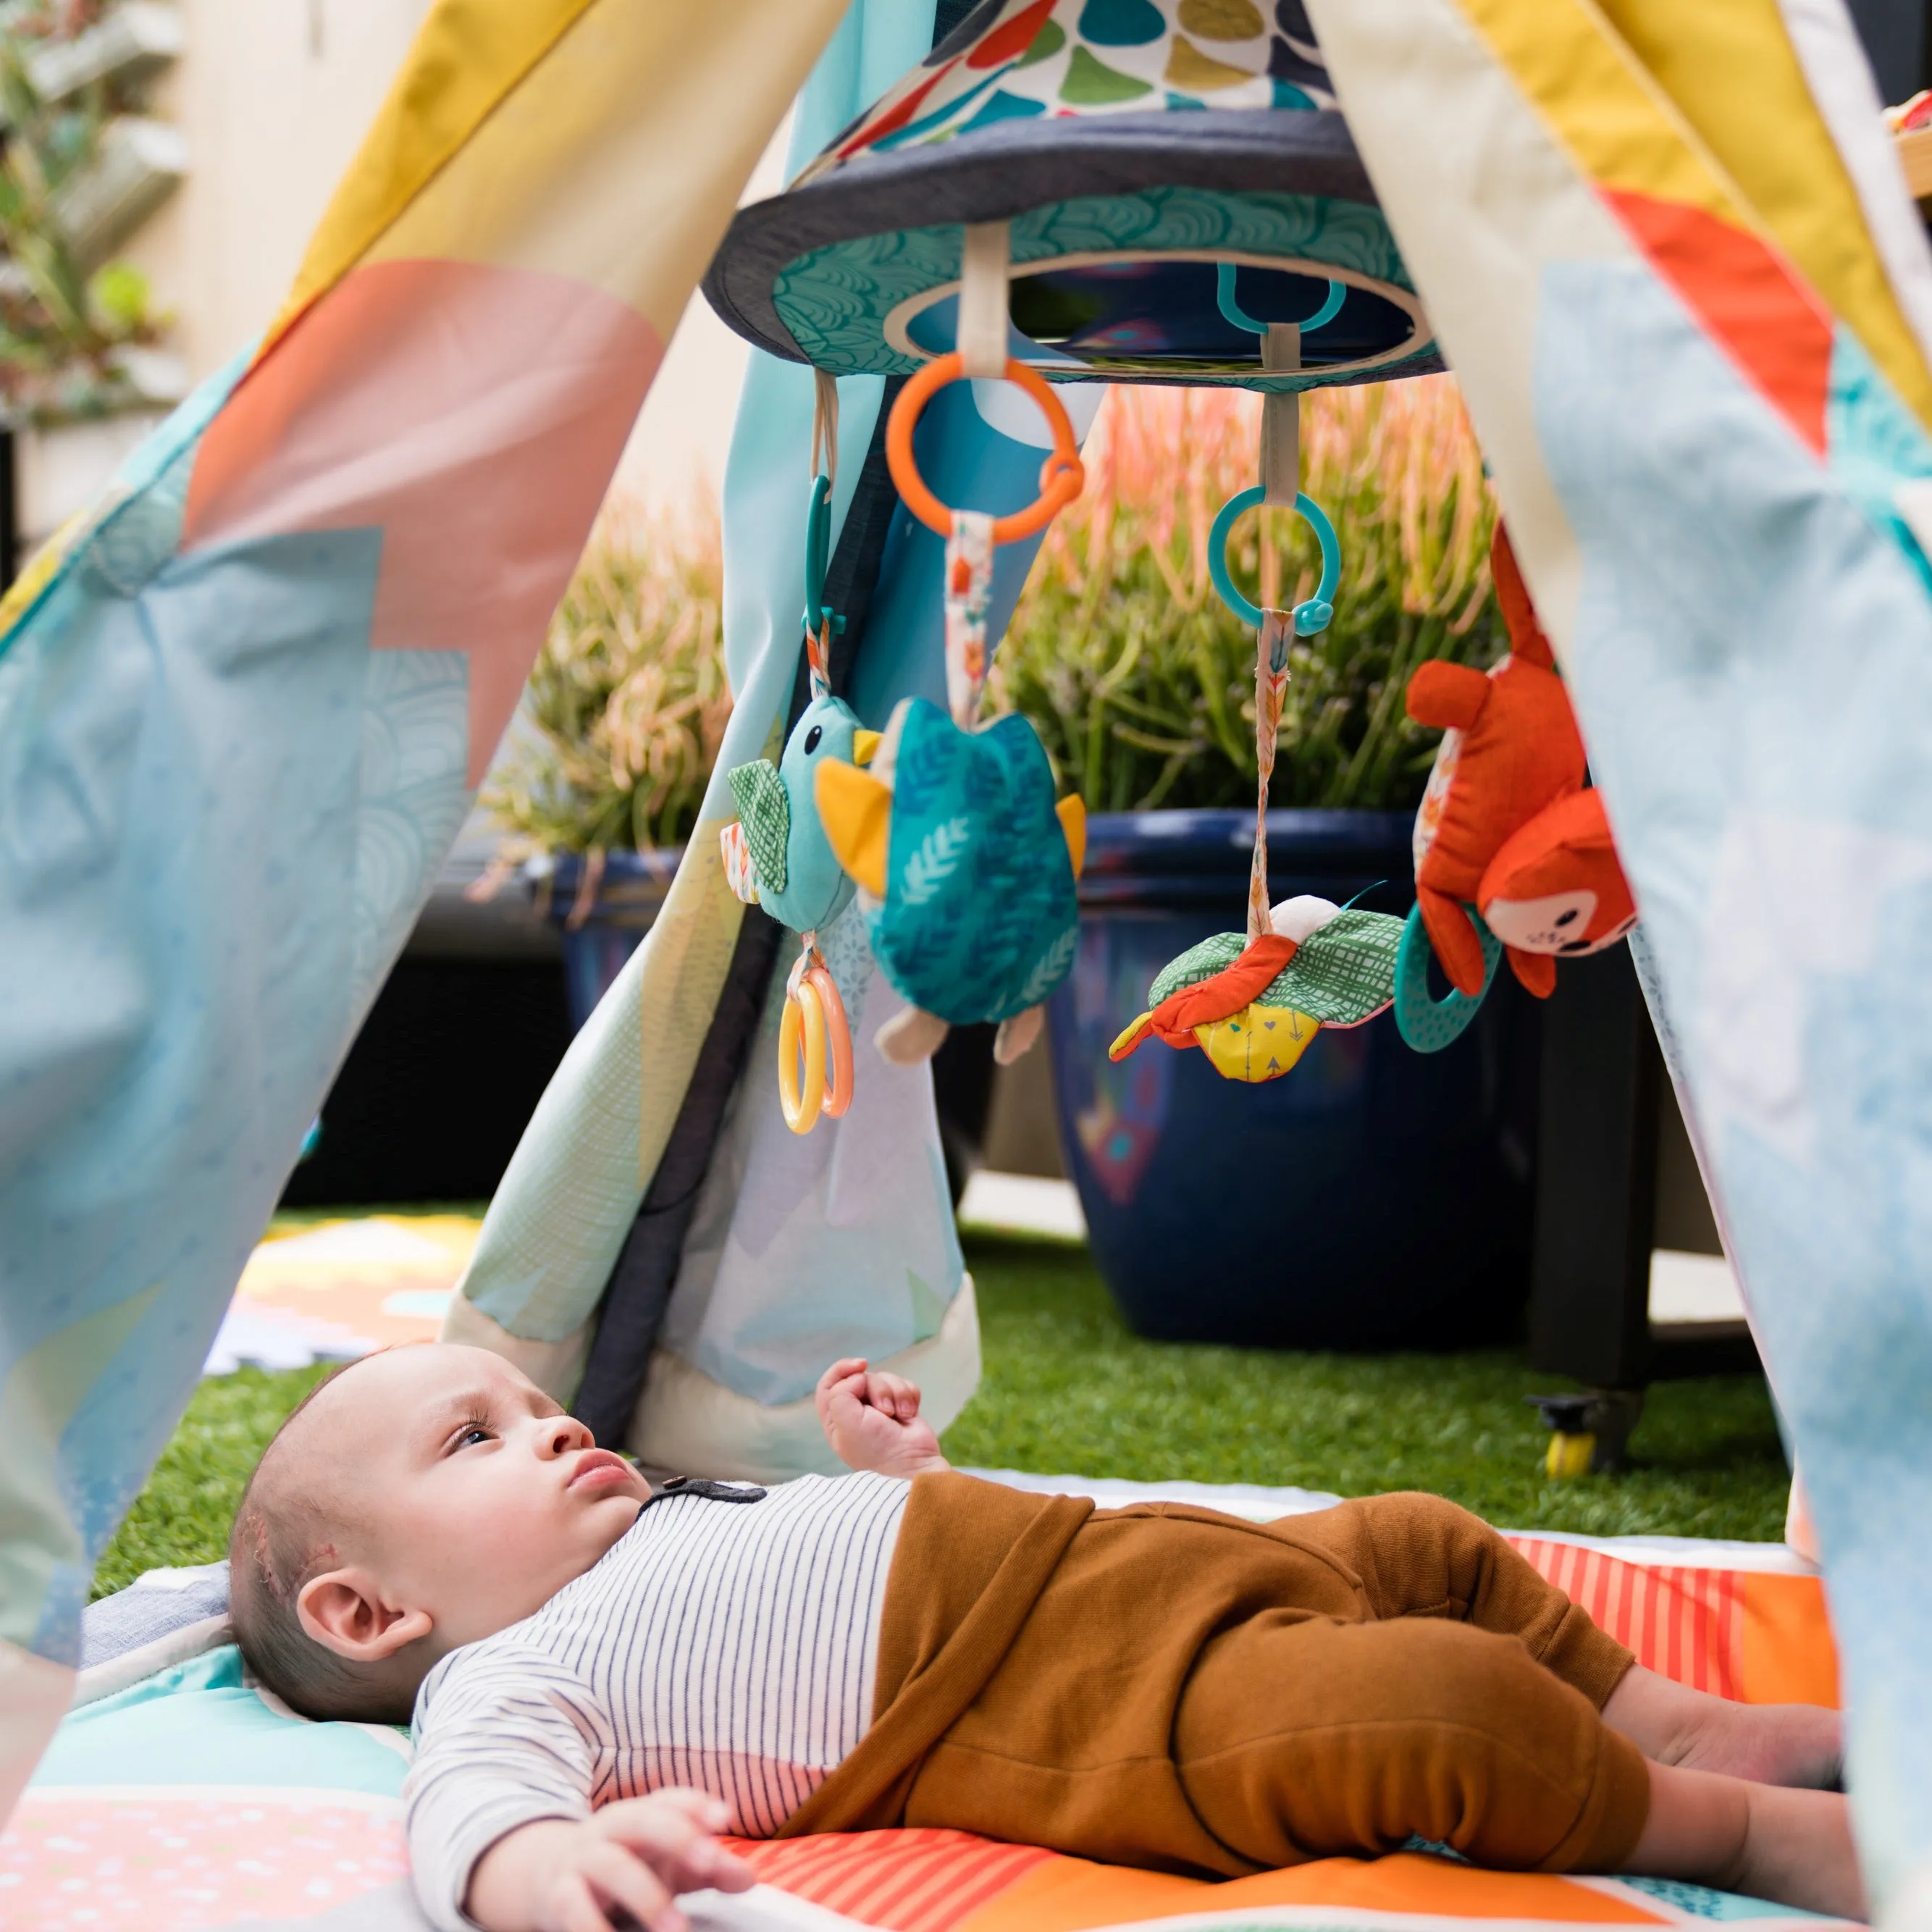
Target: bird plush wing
(766,815)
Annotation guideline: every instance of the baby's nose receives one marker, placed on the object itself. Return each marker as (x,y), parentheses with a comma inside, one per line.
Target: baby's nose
(564,1433)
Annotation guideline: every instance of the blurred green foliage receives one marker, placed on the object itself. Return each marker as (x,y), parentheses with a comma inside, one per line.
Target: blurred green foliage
(63,332)
(1140,681)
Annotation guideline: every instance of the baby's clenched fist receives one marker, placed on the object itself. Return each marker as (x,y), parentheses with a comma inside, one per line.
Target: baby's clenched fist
(871,1419)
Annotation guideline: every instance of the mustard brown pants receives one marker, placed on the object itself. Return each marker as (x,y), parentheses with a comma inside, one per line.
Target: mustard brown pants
(1167,1687)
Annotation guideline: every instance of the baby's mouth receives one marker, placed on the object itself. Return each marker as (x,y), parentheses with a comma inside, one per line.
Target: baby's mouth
(599,1468)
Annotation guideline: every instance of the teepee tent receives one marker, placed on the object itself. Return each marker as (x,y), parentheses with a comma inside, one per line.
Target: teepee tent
(244,704)
(1675,266)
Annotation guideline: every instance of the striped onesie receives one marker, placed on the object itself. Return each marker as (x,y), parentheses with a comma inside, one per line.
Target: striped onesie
(731,1646)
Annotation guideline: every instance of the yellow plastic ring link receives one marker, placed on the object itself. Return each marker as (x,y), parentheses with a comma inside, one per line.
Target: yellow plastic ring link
(815,1027)
(801,1101)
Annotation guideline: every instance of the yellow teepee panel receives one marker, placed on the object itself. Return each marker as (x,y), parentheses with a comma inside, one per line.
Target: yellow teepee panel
(1709,110)
(1732,73)
(467,56)
(1598,100)
(604,164)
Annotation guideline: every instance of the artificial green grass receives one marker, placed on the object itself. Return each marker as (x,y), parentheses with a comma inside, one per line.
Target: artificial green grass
(1069,1390)
(183,1516)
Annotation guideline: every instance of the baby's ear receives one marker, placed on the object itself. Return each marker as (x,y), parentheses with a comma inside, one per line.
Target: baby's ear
(345,1611)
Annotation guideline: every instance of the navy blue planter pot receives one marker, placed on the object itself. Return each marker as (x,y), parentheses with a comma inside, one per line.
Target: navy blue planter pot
(1374,1198)
(629,897)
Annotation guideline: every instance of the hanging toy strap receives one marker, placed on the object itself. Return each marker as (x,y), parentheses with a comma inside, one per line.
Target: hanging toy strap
(970,535)
(820,620)
(1270,683)
(825,425)
(969,590)
(818,660)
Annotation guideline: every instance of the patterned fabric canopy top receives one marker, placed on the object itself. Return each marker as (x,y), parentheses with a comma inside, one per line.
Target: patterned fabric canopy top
(1174,174)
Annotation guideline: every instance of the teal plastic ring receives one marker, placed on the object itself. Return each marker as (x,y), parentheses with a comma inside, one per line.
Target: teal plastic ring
(1426,1023)
(1232,311)
(1313,615)
(818,553)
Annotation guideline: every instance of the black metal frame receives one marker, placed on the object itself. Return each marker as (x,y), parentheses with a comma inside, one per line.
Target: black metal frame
(1603,1089)
(10,508)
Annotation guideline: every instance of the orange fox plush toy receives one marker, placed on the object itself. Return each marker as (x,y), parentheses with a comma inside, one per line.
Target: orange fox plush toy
(1556,891)
(1510,747)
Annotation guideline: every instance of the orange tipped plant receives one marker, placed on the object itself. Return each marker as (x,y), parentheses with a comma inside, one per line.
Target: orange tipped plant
(1140,681)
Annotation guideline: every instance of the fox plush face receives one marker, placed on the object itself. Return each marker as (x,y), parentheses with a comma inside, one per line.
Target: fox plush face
(1555,887)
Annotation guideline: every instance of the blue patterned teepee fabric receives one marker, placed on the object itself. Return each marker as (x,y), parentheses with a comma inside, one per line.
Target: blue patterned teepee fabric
(1703,381)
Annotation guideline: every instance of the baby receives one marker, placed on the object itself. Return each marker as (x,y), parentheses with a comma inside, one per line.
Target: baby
(601,1677)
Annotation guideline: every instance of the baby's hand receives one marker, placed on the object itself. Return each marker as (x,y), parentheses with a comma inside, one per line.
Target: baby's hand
(626,1861)
(872,1420)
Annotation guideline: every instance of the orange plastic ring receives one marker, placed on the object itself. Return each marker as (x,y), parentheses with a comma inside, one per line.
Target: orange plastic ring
(838,1039)
(1061,476)
(800,1100)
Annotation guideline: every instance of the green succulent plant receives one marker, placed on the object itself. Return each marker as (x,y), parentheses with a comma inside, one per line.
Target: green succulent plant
(62,329)
(1141,682)
(627,701)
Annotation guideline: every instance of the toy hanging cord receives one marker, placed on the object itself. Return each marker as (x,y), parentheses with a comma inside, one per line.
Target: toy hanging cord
(825,426)
(1280,467)
(1271,645)
(813,1029)
(969,589)
(971,535)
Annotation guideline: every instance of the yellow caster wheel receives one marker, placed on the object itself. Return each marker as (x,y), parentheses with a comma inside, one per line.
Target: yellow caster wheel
(1589,1430)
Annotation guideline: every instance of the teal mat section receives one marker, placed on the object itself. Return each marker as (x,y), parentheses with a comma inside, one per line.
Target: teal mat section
(200,1724)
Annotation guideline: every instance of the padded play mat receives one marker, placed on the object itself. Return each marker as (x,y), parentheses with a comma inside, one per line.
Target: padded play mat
(176,1798)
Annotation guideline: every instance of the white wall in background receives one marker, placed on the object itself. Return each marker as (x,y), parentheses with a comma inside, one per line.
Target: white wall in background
(679,447)
(273,97)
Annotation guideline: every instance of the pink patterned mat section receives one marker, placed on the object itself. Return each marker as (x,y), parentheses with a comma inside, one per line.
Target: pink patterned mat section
(87,1860)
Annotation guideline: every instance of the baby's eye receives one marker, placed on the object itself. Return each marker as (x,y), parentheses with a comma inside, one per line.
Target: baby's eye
(475,1433)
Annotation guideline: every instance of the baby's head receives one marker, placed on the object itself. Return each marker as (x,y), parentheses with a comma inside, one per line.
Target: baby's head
(418,1500)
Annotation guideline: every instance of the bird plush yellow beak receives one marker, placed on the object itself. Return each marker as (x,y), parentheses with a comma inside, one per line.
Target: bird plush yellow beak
(866,746)
(1072,813)
(856,811)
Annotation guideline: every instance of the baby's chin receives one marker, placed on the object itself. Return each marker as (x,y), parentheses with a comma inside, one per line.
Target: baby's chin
(607,1517)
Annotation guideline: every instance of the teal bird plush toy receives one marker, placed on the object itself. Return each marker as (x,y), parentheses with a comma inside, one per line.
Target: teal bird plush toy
(777,855)
(968,868)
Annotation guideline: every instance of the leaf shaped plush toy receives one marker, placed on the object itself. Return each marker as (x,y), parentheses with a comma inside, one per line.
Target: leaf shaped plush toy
(776,856)
(1254,1007)
(966,870)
